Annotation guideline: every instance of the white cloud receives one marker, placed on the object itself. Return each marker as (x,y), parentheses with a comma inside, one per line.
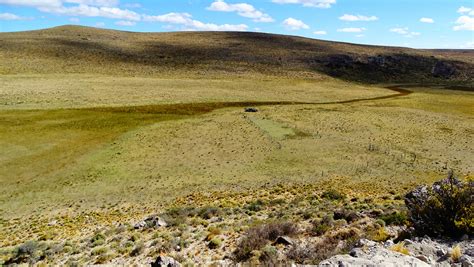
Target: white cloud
(464,23)
(185,19)
(106,3)
(351,30)
(59,3)
(308,3)
(466,10)
(294,24)
(74,20)
(360,35)
(10,16)
(320,32)
(33,3)
(427,20)
(242,9)
(348,17)
(92,11)
(125,23)
(405,32)
(100,25)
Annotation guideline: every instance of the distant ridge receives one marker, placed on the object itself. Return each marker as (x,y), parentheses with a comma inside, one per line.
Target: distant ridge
(79,49)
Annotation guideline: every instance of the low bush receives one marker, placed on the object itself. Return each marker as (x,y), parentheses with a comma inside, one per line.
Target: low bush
(445,208)
(395,218)
(333,194)
(257,237)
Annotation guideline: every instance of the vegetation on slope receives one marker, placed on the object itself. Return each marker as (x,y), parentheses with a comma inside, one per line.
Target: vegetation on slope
(73,49)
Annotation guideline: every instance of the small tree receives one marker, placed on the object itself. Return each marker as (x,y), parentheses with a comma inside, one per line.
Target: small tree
(445,208)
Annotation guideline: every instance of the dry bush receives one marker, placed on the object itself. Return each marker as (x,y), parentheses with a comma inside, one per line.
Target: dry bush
(257,237)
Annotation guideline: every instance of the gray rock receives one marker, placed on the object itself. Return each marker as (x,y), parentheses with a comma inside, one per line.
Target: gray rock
(423,258)
(284,240)
(388,243)
(441,252)
(466,261)
(163,261)
(151,222)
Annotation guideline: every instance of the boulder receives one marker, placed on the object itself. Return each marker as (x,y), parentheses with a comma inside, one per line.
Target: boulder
(377,256)
(284,240)
(164,261)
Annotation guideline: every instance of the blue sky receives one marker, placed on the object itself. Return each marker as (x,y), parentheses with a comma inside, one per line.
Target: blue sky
(412,23)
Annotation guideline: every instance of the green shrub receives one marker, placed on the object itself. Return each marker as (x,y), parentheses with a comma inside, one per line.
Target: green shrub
(333,194)
(395,218)
(445,208)
(215,243)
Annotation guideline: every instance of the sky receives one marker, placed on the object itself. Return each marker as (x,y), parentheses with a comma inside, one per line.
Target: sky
(409,23)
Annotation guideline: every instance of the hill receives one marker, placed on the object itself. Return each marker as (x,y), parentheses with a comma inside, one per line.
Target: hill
(78,49)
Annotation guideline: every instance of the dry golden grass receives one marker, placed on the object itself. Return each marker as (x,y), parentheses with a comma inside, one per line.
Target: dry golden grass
(400,248)
(96,149)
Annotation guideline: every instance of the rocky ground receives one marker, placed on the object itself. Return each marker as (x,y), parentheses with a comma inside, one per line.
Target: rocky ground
(278,225)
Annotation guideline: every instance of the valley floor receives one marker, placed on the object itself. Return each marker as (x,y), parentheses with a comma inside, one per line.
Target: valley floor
(75,150)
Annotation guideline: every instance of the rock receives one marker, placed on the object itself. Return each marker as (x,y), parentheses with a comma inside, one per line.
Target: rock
(441,252)
(466,261)
(388,243)
(423,258)
(284,240)
(365,242)
(375,257)
(163,261)
(356,252)
(251,109)
(443,70)
(52,223)
(151,222)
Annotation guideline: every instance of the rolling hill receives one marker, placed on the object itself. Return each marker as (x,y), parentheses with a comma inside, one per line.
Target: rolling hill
(78,49)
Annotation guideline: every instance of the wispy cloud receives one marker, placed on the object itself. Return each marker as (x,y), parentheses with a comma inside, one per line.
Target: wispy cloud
(320,32)
(405,32)
(348,17)
(10,16)
(125,23)
(242,9)
(351,30)
(308,3)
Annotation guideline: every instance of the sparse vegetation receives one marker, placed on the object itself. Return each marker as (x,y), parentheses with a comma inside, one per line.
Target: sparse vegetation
(129,129)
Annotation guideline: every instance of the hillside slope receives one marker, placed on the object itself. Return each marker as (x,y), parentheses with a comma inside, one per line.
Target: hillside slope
(77,49)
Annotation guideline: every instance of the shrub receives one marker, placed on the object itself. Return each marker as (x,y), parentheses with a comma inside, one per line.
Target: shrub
(215,243)
(138,249)
(444,209)
(320,227)
(257,237)
(28,252)
(395,218)
(333,194)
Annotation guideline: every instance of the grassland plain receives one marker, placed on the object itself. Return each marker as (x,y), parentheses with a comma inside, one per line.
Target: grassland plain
(88,151)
